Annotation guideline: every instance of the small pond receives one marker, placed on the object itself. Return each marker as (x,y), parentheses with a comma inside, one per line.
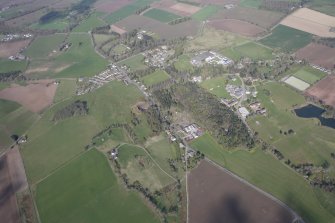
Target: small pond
(312,111)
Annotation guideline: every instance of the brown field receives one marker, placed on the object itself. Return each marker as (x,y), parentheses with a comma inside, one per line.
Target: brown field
(163,30)
(318,54)
(311,21)
(118,29)
(262,18)
(216,196)
(111,6)
(36,96)
(237,26)
(8,49)
(13,180)
(324,91)
(185,8)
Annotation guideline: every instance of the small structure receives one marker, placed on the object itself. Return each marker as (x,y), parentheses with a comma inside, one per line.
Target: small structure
(244,112)
(114,153)
(210,57)
(192,131)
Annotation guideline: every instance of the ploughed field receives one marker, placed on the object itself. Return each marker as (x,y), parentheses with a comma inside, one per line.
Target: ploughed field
(216,196)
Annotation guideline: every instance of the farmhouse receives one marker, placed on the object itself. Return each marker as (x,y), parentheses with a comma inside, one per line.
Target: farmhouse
(257,108)
(235,91)
(191,131)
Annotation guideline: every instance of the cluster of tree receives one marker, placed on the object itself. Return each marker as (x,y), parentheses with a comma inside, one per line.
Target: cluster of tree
(154,118)
(332,155)
(305,169)
(52,16)
(325,41)
(289,132)
(179,20)
(193,161)
(102,30)
(74,109)
(83,6)
(164,97)
(12,76)
(278,154)
(139,11)
(216,117)
(189,2)
(281,5)
(325,184)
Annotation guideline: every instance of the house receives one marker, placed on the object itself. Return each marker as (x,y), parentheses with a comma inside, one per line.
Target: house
(244,112)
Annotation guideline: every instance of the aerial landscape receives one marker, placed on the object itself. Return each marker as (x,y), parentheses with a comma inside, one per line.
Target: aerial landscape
(171,111)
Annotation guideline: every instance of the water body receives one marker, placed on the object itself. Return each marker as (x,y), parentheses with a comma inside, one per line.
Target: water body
(312,111)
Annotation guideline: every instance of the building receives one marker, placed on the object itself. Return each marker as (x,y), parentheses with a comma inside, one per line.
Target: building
(244,112)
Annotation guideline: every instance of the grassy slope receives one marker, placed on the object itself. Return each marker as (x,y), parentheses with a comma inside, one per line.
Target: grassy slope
(46,149)
(287,39)
(270,175)
(86,190)
(161,15)
(155,78)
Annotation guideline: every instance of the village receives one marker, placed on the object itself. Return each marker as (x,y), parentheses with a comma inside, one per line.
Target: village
(210,57)
(157,57)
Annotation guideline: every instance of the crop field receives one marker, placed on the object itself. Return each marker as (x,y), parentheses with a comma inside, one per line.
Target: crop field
(205,13)
(26,19)
(118,30)
(185,8)
(58,24)
(134,63)
(183,64)
(287,39)
(137,164)
(161,15)
(99,39)
(126,11)
(310,21)
(263,18)
(220,195)
(66,89)
(318,54)
(216,86)
(254,51)
(237,26)
(324,90)
(86,190)
(111,6)
(36,96)
(309,75)
(76,131)
(251,3)
(297,83)
(324,6)
(267,173)
(155,78)
(10,65)
(213,39)
(12,48)
(88,24)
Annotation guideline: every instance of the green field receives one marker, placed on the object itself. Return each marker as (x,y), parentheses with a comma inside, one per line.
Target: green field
(183,64)
(324,6)
(86,190)
(287,39)
(267,173)
(127,11)
(59,24)
(134,63)
(216,86)
(309,75)
(155,78)
(89,23)
(42,46)
(65,89)
(137,164)
(205,13)
(9,65)
(254,51)
(99,39)
(161,15)
(251,3)
(77,131)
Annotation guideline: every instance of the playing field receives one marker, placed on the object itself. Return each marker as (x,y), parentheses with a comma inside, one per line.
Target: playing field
(309,75)
(287,39)
(86,190)
(297,83)
(155,78)
(216,86)
(161,15)
(267,173)
(134,63)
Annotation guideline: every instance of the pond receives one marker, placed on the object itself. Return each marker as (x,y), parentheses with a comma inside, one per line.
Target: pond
(312,111)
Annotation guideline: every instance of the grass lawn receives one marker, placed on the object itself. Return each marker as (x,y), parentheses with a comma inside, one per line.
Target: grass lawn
(183,64)
(205,13)
(127,11)
(65,89)
(287,39)
(154,78)
(161,15)
(9,65)
(81,58)
(254,51)
(269,174)
(136,163)
(42,46)
(52,144)
(216,86)
(89,23)
(86,190)
(134,63)
(309,75)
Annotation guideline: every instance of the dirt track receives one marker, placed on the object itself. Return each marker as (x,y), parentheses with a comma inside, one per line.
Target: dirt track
(324,90)
(36,96)
(237,26)
(12,180)
(318,54)
(215,196)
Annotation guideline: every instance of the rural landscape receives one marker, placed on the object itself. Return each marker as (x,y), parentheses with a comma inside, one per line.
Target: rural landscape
(167,111)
